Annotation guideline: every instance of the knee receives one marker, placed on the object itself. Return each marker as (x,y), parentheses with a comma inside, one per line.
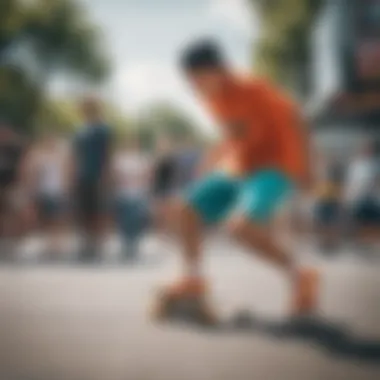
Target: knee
(242,229)
(183,211)
(237,227)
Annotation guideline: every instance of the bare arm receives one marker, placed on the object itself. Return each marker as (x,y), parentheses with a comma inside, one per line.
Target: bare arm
(211,159)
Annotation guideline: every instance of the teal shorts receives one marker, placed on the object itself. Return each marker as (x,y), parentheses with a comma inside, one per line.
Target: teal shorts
(258,196)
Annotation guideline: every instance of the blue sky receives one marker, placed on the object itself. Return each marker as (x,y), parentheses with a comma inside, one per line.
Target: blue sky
(144,37)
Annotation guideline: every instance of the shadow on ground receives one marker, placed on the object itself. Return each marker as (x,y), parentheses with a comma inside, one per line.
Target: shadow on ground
(336,339)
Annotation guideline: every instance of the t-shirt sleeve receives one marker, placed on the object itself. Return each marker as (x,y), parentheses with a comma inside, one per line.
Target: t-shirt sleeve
(289,130)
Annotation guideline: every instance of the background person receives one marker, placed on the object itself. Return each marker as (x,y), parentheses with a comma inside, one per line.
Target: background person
(49,170)
(361,193)
(131,170)
(188,158)
(328,208)
(11,151)
(164,182)
(90,168)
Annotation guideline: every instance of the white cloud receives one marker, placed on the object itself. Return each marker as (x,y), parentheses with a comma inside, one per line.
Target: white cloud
(141,83)
(146,56)
(237,13)
(137,85)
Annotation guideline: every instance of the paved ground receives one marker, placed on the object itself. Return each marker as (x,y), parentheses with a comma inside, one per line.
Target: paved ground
(58,322)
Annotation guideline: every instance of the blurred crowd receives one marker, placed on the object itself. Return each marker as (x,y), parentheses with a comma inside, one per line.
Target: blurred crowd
(344,207)
(90,185)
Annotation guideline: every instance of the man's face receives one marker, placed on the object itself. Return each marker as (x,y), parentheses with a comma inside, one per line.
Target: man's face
(207,81)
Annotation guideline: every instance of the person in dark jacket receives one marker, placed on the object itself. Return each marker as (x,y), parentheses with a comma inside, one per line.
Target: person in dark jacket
(11,152)
(91,153)
(164,182)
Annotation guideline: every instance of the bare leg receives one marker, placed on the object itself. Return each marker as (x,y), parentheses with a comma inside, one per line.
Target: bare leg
(191,287)
(89,249)
(259,241)
(190,235)
(57,233)
(166,218)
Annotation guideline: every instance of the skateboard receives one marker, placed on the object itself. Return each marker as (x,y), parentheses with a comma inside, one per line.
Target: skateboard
(191,309)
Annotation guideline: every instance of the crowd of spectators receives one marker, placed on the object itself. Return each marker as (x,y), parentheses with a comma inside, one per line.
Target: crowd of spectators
(90,184)
(345,208)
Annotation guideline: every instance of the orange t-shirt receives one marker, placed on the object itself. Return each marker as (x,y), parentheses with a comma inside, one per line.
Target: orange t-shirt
(262,128)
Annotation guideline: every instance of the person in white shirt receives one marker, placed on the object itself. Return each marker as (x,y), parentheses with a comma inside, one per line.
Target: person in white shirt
(131,172)
(48,185)
(360,175)
(360,194)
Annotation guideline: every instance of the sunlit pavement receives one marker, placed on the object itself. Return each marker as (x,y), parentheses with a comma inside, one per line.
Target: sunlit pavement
(78,323)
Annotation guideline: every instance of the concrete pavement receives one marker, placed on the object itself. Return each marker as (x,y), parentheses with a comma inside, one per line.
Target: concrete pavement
(77,323)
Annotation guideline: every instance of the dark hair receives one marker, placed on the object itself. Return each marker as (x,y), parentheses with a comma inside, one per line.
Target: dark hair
(202,54)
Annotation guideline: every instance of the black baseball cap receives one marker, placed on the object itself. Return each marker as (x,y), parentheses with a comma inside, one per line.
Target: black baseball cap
(202,54)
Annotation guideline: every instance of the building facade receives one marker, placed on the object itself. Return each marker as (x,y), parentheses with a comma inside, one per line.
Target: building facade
(344,104)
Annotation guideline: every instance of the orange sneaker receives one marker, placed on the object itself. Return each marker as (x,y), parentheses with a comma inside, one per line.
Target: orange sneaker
(306,292)
(186,300)
(192,287)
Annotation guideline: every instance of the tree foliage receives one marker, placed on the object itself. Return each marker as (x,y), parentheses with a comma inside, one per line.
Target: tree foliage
(58,39)
(63,116)
(60,116)
(283,52)
(164,119)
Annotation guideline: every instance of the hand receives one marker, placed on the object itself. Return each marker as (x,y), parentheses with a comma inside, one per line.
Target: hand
(231,167)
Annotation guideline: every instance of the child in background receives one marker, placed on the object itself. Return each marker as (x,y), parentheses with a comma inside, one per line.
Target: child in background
(131,173)
(328,207)
(49,185)
(164,185)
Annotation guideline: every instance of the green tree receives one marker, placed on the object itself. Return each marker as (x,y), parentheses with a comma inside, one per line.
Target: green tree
(65,40)
(63,116)
(283,52)
(19,98)
(12,22)
(164,119)
(59,115)
(121,124)
(58,38)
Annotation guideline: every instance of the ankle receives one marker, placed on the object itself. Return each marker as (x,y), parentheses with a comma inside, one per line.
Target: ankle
(193,270)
